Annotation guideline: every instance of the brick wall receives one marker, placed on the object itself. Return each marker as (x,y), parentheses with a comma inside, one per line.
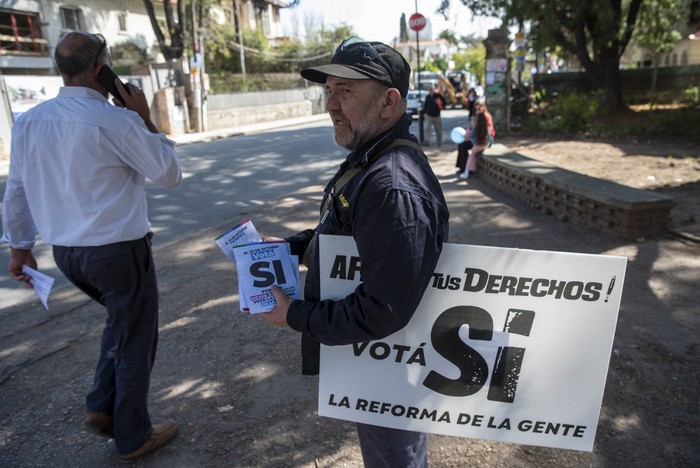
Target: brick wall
(613,209)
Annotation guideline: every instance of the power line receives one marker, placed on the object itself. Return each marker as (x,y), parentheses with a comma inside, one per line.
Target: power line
(279,58)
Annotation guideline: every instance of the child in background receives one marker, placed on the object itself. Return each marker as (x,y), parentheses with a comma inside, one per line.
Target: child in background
(481,108)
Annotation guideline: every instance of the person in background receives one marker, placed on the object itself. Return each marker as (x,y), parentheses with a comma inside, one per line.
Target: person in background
(479,139)
(386,196)
(480,107)
(77,172)
(434,103)
(471,100)
(464,148)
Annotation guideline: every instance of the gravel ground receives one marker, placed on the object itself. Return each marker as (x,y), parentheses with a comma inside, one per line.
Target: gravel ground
(233,383)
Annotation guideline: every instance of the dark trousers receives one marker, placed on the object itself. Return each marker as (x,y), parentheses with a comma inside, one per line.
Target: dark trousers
(122,278)
(383,447)
(463,153)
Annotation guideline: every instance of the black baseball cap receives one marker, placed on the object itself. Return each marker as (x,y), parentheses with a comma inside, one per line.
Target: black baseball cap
(357,59)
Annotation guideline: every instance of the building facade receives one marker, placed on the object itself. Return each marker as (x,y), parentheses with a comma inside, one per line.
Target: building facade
(30,29)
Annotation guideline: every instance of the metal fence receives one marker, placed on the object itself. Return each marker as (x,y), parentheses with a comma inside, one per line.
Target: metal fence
(633,81)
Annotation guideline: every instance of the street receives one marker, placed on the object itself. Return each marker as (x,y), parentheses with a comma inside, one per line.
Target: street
(223,180)
(233,382)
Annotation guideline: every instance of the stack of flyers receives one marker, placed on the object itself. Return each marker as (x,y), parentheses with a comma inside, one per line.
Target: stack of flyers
(244,233)
(260,266)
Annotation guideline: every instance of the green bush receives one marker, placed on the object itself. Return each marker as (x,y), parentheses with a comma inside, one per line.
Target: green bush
(691,95)
(575,112)
(569,113)
(224,83)
(679,122)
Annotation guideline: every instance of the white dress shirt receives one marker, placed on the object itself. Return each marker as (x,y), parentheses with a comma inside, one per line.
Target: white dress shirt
(77,172)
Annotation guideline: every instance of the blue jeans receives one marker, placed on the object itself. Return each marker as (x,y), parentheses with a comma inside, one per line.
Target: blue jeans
(383,447)
(122,278)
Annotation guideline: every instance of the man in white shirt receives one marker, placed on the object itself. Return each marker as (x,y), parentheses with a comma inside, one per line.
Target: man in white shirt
(77,173)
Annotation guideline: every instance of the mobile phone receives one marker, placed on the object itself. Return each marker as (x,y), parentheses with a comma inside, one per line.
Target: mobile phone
(106,77)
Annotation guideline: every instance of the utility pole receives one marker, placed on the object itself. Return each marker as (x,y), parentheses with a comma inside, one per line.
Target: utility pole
(196,66)
(241,54)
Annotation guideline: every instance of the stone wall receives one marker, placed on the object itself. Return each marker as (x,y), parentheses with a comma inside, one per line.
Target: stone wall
(237,116)
(613,209)
(169,111)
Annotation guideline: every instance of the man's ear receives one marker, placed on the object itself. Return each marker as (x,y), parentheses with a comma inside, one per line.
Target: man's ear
(392,101)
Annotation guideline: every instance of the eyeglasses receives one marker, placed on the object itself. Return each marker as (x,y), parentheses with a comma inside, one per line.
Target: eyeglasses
(103,45)
(365,47)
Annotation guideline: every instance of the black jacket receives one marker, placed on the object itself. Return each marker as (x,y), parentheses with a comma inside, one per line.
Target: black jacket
(433,104)
(395,210)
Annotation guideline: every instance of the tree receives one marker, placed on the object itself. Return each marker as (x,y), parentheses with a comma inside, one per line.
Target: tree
(452,41)
(449,36)
(176,28)
(595,31)
(658,35)
(473,60)
(403,29)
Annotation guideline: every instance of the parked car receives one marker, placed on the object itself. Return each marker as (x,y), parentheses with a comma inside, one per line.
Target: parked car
(414,101)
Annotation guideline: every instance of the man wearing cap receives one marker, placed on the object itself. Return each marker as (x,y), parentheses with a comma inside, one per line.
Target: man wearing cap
(386,196)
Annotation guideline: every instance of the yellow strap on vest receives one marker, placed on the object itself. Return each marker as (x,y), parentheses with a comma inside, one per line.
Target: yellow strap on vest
(352,172)
(344,179)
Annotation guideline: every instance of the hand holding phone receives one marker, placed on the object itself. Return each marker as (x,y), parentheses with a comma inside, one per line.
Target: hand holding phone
(106,78)
(136,99)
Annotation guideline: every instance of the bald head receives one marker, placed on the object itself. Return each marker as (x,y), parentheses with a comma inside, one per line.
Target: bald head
(77,53)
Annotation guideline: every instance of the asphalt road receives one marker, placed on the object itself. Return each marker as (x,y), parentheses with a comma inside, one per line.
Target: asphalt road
(226,174)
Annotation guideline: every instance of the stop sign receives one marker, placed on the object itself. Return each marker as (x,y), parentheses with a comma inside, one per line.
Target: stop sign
(416,22)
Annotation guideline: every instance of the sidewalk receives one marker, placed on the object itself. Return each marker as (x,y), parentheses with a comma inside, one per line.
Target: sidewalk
(246,129)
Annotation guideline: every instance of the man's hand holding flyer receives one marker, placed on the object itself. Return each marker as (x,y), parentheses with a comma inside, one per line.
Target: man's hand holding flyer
(260,265)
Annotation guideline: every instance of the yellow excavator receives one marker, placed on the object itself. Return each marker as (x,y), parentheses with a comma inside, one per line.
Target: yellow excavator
(454,89)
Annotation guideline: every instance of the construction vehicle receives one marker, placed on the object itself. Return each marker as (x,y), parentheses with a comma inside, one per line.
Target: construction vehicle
(453,87)
(461,82)
(452,92)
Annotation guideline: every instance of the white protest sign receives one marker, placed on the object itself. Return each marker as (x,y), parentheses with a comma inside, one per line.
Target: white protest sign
(508,345)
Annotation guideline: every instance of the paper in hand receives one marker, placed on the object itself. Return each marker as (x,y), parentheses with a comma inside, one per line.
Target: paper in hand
(260,266)
(244,233)
(41,282)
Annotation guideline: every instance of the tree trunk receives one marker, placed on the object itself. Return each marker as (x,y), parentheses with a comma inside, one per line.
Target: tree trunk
(611,84)
(654,80)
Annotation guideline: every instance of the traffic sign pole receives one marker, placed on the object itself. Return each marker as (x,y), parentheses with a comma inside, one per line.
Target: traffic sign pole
(417,22)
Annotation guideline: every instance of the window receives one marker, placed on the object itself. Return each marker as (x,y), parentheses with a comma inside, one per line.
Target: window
(72,18)
(122,21)
(20,34)
(265,17)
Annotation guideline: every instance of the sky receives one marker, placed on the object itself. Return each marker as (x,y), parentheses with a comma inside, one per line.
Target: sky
(378,20)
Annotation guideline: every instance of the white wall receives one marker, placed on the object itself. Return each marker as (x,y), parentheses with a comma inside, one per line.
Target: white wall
(98,16)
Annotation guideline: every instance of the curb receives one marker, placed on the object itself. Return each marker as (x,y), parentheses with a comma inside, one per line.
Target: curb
(187,138)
